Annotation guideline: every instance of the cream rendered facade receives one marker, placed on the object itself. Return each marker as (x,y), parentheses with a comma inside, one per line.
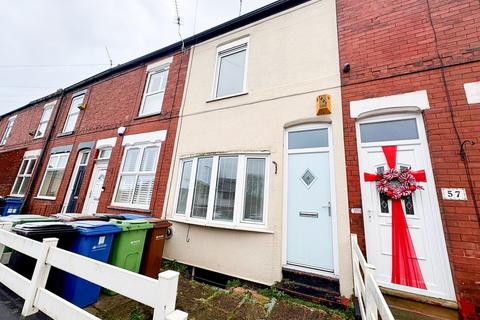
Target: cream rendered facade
(292,58)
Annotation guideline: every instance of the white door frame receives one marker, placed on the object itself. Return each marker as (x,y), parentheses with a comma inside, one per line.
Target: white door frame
(73,177)
(333,199)
(92,181)
(436,223)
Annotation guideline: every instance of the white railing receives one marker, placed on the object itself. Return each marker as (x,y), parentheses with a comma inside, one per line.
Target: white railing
(159,294)
(370,299)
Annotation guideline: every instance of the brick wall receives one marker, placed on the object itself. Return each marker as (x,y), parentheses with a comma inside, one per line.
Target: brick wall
(11,161)
(112,103)
(394,47)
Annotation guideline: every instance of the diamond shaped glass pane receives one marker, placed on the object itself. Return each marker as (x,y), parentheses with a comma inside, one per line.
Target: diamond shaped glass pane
(308,178)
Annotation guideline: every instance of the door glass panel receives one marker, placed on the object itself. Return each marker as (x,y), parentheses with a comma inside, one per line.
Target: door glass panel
(317,138)
(383,196)
(389,130)
(202,188)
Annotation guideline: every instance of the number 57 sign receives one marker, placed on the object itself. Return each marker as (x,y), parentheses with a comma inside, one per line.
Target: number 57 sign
(454,194)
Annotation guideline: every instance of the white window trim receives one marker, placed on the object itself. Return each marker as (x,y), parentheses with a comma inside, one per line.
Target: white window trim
(56,169)
(227,49)
(136,173)
(24,175)
(77,112)
(238,222)
(104,143)
(8,130)
(50,106)
(152,69)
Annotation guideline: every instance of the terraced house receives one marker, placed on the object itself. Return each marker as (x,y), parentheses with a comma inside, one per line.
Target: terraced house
(269,139)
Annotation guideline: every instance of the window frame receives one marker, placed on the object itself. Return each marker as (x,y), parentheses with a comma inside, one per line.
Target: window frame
(238,221)
(8,130)
(23,175)
(48,106)
(164,67)
(76,113)
(225,50)
(56,155)
(136,173)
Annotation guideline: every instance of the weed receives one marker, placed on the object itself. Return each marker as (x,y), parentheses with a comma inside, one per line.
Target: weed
(174,265)
(137,314)
(234,283)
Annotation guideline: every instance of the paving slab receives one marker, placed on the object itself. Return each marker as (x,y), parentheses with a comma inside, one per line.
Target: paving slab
(11,306)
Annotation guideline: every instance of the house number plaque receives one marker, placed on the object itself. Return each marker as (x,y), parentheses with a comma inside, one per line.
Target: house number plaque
(454,194)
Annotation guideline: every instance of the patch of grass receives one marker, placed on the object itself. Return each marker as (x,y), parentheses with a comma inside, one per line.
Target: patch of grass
(234,283)
(175,266)
(273,292)
(137,314)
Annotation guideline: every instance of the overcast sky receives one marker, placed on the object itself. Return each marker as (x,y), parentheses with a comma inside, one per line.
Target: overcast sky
(51,44)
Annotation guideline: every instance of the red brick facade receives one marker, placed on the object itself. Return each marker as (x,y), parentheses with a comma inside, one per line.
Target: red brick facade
(400,47)
(112,103)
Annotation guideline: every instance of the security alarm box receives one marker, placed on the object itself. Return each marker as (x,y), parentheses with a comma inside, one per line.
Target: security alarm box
(324,104)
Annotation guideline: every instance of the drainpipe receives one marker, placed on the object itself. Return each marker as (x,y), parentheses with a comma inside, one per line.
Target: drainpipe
(43,154)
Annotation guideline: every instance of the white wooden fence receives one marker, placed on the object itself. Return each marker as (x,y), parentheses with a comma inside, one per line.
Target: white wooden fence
(370,298)
(159,294)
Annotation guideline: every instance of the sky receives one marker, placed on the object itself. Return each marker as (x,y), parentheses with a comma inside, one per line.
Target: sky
(50,44)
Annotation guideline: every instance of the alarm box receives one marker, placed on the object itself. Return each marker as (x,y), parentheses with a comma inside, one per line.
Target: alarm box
(324,104)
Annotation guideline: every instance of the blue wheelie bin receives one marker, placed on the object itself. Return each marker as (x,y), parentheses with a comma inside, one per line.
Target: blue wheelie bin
(94,241)
(12,205)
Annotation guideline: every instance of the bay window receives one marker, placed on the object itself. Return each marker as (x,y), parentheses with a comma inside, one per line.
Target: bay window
(53,176)
(137,176)
(223,189)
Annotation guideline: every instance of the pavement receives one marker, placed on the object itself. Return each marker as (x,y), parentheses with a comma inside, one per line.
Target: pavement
(11,306)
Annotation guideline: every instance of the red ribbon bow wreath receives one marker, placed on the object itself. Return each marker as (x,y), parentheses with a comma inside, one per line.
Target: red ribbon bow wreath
(405,268)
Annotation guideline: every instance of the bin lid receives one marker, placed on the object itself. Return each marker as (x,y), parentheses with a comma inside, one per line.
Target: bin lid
(78,217)
(129,225)
(13,200)
(39,228)
(108,216)
(15,218)
(95,227)
(133,216)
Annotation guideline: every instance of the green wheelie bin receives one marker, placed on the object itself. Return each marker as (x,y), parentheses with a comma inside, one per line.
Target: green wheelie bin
(19,219)
(127,248)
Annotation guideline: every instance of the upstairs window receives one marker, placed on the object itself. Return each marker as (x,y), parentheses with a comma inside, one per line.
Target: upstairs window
(224,189)
(137,176)
(23,177)
(53,176)
(230,75)
(42,126)
(73,113)
(8,130)
(154,91)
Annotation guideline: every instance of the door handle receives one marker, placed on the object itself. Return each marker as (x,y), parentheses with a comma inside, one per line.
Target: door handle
(329,207)
(308,214)
(369,213)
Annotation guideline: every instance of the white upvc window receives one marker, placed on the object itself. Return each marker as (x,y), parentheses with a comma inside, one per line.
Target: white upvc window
(23,177)
(8,130)
(42,126)
(73,113)
(231,69)
(104,153)
(229,190)
(53,175)
(137,176)
(154,90)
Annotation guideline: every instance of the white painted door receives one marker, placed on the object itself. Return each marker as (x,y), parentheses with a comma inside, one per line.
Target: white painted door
(421,210)
(96,187)
(309,214)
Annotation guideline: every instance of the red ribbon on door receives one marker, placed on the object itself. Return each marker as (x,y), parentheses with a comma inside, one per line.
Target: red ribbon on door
(405,268)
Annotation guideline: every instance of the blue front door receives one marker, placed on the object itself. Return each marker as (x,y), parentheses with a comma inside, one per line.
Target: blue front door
(309,214)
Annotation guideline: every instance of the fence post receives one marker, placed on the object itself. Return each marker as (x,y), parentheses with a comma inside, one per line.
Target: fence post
(39,278)
(168,285)
(370,303)
(7,226)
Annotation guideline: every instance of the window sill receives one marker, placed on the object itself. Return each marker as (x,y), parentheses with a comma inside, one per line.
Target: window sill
(119,208)
(139,117)
(63,134)
(17,195)
(45,198)
(220,226)
(36,138)
(228,97)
